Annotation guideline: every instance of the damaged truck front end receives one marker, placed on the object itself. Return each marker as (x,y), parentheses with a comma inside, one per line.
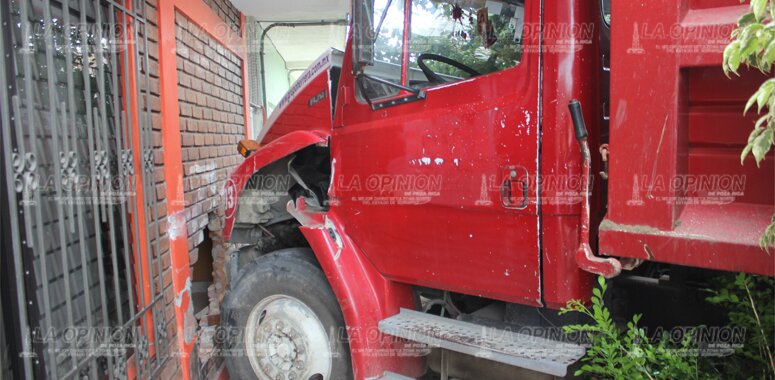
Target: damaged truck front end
(429,189)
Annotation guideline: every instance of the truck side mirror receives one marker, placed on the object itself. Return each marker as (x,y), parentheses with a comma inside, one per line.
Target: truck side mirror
(363,33)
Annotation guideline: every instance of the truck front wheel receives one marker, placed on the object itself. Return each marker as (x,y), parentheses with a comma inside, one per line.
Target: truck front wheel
(284,322)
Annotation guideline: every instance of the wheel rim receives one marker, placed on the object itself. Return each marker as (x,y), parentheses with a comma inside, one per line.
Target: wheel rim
(284,339)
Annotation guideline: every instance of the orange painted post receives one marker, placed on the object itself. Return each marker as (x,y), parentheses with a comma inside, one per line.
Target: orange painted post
(141,249)
(173,175)
(245,87)
(198,13)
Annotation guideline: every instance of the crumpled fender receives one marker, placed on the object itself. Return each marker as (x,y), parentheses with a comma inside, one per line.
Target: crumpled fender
(364,295)
(277,149)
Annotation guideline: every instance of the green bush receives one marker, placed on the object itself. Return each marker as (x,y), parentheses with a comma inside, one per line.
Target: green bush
(629,354)
(616,353)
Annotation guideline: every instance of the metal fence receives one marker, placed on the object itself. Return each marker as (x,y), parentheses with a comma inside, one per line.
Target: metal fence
(81,269)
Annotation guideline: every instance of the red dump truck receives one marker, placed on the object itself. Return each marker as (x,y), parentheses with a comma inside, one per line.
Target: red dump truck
(427,200)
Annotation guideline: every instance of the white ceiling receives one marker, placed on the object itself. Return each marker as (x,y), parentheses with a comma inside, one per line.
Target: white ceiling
(301,45)
(294,10)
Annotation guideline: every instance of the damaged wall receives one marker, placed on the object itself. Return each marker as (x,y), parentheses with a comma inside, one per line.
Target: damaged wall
(212,122)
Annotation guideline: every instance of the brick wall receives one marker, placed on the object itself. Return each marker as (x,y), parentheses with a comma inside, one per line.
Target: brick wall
(211,125)
(212,122)
(226,11)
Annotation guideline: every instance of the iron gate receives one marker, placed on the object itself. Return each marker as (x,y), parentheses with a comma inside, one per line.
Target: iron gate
(81,241)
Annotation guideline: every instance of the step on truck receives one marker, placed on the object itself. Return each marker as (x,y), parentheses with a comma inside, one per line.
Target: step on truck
(423,203)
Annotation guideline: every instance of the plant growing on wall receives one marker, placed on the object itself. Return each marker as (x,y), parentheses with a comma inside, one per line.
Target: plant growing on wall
(753,44)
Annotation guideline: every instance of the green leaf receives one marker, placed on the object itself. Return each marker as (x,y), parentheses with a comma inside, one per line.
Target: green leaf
(752,138)
(740,280)
(768,52)
(746,19)
(745,153)
(759,7)
(732,57)
(762,145)
(765,91)
(768,237)
(751,101)
(750,42)
(760,123)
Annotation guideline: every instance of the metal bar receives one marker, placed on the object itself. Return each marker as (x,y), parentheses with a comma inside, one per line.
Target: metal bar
(21,145)
(20,158)
(104,122)
(25,211)
(100,261)
(52,102)
(129,122)
(152,177)
(111,218)
(26,64)
(16,245)
(158,340)
(147,173)
(119,126)
(142,311)
(159,367)
(130,126)
(86,73)
(57,164)
(32,167)
(66,254)
(127,11)
(70,99)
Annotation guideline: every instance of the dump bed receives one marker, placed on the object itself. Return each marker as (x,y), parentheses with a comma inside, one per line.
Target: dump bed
(677,191)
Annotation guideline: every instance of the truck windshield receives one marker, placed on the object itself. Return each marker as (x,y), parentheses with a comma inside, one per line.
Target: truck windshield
(455,39)
(483,35)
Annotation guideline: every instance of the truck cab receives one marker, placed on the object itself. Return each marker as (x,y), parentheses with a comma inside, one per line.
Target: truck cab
(416,198)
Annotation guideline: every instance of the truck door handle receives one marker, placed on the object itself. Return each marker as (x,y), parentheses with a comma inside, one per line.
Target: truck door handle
(508,198)
(525,186)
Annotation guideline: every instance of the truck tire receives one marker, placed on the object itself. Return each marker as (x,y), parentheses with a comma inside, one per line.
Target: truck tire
(283,303)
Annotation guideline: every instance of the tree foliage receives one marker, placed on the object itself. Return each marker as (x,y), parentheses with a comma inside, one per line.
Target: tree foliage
(753,45)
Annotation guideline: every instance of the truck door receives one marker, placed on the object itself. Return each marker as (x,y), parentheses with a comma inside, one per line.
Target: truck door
(435,147)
